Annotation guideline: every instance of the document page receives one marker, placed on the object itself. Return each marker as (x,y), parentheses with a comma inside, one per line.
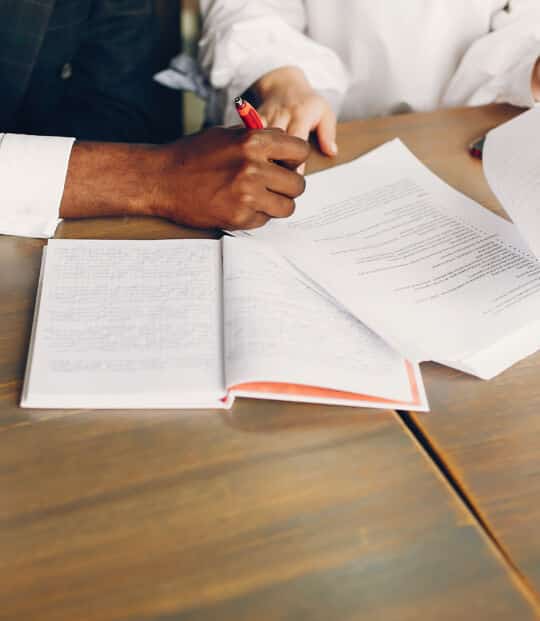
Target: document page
(511,163)
(128,324)
(427,268)
(279,329)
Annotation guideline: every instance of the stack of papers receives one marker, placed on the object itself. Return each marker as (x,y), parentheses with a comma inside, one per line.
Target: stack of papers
(432,272)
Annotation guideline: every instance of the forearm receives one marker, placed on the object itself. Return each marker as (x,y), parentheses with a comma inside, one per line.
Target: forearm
(110,179)
(216,179)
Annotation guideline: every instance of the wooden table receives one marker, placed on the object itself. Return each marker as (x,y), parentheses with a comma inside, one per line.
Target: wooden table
(270,511)
(488,436)
(486,433)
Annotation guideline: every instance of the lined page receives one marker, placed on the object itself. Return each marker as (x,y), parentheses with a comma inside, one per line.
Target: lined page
(279,329)
(128,324)
(424,266)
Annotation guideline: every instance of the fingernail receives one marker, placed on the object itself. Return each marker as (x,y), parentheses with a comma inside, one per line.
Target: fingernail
(333,148)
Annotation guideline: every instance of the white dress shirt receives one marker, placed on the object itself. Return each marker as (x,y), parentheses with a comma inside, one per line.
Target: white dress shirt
(376,57)
(32,177)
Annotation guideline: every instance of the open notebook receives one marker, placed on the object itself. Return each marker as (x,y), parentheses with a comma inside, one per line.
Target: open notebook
(432,272)
(196,323)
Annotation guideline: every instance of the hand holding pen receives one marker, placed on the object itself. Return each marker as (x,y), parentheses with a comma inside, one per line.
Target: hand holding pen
(251,119)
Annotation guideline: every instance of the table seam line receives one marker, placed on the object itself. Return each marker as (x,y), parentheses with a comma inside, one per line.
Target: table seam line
(459,490)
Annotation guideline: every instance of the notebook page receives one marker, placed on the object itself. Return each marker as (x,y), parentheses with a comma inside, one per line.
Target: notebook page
(128,324)
(511,163)
(279,329)
(427,268)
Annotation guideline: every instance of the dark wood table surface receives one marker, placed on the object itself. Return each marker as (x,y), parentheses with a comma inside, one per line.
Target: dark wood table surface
(487,433)
(270,511)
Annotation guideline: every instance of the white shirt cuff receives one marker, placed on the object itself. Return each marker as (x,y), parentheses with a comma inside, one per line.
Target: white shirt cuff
(249,50)
(518,89)
(32,176)
(332,89)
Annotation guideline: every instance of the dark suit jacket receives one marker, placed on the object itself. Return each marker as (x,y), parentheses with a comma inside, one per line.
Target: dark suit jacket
(78,68)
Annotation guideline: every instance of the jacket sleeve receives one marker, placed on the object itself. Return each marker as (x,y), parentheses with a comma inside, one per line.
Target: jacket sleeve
(32,177)
(242,40)
(498,67)
(110,93)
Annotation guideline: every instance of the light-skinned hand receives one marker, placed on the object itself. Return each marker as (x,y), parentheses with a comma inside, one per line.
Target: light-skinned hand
(290,103)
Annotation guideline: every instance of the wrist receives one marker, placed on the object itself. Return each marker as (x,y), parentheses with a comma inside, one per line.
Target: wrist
(147,166)
(280,79)
(156,165)
(108,179)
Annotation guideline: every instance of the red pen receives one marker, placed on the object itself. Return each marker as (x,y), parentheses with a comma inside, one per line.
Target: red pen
(248,114)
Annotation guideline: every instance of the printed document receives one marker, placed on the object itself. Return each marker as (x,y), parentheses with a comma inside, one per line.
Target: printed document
(512,166)
(435,274)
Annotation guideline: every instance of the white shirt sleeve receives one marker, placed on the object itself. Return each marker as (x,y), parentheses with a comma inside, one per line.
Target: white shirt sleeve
(242,40)
(32,176)
(498,67)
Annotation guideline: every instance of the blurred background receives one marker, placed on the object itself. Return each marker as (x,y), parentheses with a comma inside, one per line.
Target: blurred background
(179,32)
